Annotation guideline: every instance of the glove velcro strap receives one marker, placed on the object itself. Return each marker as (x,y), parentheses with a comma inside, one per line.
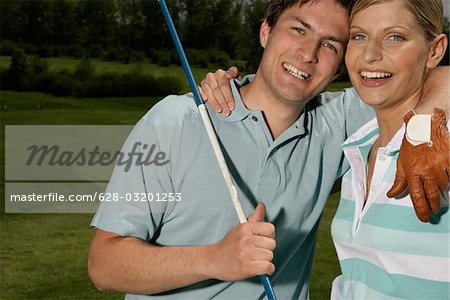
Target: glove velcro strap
(418,130)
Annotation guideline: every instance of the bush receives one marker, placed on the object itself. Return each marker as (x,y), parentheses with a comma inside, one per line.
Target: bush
(7,48)
(164,57)
(28,48)
(138,56)
(219,58)
(38,66)
(198,57)
(62,85)
(167,85)
(45,51)
(111,54)
(19,64)
(76,51)
(85,70)
(96,51)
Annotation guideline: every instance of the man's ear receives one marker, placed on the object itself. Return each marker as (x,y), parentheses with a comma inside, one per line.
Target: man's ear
(264,33)
(437,51)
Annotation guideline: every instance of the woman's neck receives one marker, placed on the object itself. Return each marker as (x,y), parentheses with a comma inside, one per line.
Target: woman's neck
(390,119)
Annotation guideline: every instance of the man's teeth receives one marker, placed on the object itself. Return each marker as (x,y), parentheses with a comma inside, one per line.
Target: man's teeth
(371,75)
(296,72)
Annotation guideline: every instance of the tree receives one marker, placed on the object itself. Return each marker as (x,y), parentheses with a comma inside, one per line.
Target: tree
(253,15)
(227,22)
(197,24)
(63,22)
(36,22)
(10,25)
(95,22)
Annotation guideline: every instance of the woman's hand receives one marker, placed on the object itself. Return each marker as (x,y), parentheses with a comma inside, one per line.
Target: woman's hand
(216,90)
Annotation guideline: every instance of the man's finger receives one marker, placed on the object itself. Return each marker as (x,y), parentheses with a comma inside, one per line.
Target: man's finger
(265,242)
(400,183)
(433,195)
(232,72)
(418,199)
(202,94)
(214,92)
(224,86)
(206,89)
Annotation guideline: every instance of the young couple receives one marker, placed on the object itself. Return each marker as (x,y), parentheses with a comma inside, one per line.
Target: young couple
(283,143)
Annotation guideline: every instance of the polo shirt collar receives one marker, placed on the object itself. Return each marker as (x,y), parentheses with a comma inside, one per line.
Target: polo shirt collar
(240,111)
(368,134)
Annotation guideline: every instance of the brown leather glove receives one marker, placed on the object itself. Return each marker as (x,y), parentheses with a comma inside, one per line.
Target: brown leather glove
(424,169)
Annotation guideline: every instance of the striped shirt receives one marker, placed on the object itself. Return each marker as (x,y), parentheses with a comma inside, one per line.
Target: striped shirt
(384,250)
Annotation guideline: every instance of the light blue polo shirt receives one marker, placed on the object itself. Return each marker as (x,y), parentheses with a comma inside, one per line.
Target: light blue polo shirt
(293,175)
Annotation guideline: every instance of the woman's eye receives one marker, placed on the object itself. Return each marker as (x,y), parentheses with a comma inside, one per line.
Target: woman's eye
(358,37)
(396,38)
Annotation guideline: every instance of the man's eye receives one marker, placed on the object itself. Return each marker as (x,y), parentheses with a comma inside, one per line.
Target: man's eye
(330,46)
(299,30)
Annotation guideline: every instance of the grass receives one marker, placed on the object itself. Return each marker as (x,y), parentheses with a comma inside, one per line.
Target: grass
(43,256)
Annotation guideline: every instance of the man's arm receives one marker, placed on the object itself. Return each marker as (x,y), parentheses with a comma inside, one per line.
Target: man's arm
(130,265)
(436,92)
(425,168)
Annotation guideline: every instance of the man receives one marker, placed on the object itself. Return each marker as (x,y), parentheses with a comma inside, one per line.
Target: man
(280,152)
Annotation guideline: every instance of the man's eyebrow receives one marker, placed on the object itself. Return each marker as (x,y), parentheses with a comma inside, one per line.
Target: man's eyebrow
(305,24)
(309,27)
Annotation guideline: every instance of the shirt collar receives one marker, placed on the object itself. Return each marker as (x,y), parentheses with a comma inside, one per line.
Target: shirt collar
(368,134)
(240,112)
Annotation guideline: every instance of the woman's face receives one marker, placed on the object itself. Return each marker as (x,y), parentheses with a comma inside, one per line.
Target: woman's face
(386,55)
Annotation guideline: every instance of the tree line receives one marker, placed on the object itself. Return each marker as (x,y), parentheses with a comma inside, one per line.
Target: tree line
(213,31)
(108,27)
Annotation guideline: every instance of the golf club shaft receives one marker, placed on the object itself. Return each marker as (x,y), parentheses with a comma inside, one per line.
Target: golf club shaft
(211,134)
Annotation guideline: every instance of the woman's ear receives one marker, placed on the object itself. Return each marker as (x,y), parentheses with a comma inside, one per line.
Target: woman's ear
(437,51)
(264,32)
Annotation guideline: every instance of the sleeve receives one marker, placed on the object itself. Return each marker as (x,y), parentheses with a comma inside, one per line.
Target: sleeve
(140,173)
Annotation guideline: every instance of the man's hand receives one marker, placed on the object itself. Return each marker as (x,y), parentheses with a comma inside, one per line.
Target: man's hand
(216,90)
(425,168)
(246,250)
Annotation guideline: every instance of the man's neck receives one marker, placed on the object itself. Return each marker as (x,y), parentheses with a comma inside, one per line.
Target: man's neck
(278,113)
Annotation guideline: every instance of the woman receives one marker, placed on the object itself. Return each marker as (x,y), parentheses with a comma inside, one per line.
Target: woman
(385,252)
(383,249)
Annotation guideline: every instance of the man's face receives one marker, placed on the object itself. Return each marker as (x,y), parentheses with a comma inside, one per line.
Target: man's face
(304,50)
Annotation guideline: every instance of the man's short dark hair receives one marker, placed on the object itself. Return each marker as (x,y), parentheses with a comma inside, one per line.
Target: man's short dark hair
(277,7)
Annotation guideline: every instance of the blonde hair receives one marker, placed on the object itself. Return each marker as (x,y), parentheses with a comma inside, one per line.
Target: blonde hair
(428,13)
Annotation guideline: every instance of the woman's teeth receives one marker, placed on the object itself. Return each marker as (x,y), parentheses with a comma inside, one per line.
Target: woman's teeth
(295,72)
(373,75)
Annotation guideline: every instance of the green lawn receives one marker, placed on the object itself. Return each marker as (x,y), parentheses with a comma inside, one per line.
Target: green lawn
(43,256)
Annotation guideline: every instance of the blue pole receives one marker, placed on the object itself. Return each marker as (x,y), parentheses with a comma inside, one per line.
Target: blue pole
(198,101)
(181,54)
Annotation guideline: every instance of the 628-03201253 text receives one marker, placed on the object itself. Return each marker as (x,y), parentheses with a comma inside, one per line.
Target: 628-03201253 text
(157,197)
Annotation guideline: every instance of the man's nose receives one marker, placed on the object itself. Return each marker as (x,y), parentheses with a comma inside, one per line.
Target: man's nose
(309,51)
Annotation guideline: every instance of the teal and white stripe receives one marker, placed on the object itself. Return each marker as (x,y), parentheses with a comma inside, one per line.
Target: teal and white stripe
(385,252)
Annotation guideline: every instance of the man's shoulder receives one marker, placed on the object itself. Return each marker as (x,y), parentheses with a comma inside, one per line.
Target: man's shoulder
(172,110)
(347,94)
